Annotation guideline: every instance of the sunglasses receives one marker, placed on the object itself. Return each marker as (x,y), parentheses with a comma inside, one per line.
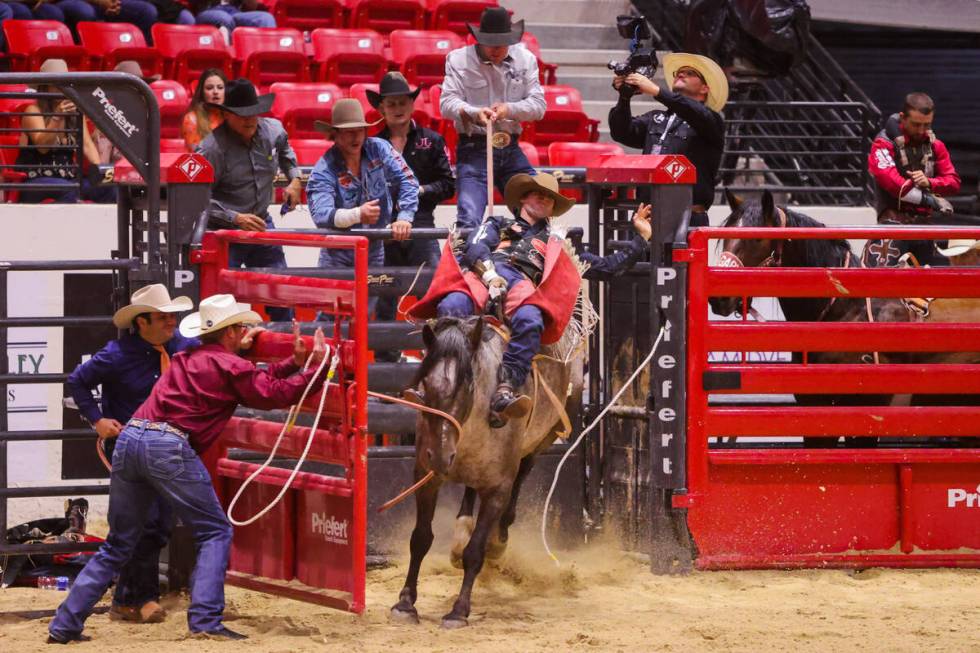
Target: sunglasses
(688,72)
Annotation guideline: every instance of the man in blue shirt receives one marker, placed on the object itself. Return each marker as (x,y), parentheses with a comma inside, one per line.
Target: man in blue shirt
(127,369)
(350,185)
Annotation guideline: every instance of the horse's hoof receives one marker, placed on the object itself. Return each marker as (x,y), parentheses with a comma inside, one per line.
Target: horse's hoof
(456,560)
(402,616)
(452,622)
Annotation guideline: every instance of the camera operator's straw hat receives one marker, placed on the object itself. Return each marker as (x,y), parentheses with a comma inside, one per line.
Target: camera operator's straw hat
(711,72)
(496,28)
(150,299)
(347,114)
(520,185)
(217,312)
(957,247)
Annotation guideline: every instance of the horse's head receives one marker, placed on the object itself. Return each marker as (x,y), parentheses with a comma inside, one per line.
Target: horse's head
(446,377)
(748,252)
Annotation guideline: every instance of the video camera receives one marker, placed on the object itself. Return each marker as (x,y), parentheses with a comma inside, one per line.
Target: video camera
(641,60)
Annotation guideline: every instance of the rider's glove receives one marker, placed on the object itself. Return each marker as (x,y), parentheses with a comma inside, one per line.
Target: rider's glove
(495,283)
(937,203)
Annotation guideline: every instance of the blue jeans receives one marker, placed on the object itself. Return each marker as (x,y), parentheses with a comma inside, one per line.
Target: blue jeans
(138,12)
(526,326)
(148,464)
(44,11)
(471,176)
(261,256)
(231,17)
(139,579)
(67,196)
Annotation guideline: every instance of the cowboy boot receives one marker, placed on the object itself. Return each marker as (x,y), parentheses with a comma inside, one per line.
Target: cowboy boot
(506,403)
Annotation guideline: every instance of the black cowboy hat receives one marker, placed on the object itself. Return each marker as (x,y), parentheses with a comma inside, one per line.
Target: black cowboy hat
(241,99)
(496,29)
(392,84)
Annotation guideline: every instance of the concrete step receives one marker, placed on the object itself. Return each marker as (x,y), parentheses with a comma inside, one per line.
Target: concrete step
(568,11)
(599,109)
(592,85)
(591,58)
(566,35)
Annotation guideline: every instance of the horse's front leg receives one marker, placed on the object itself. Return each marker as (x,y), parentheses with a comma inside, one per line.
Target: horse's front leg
(492,504)
(425,508)
(497,545)
(463,528)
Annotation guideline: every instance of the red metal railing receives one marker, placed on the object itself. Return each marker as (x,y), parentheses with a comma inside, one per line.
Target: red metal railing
(786,507)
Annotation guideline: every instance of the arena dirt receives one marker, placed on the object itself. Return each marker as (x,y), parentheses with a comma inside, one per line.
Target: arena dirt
(600,599)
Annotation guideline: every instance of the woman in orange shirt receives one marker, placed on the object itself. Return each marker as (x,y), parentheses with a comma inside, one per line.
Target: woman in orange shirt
(199,119)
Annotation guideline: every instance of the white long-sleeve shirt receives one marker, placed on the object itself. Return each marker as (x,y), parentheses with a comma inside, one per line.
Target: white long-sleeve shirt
(472,84)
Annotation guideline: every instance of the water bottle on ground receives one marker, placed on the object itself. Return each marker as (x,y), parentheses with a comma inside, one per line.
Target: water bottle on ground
(47,583)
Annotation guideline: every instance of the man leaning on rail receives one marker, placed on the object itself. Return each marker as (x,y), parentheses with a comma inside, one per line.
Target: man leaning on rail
(156,457)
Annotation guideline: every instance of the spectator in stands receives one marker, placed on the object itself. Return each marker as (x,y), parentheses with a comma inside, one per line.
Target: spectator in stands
(138,12)
(230,14)
(109,154)
(49,144)
(201,119)
(913,173)
(692,125)
(246,151)
(157,457)
(31,11)
(494,82)
(127,369)
(349,184)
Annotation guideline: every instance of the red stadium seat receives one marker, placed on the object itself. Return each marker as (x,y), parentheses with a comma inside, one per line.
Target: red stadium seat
(453,15)
(580,155)
(564,120)
(546,71)
(349,56)
(386,16)
(308,15)
(531,153)
(309,150)
(191,49)
(173,101)
(299,105)
(421,54)
(445,127)
(110,43)
(31,42)
(11,108)
(172,145)
(269,55)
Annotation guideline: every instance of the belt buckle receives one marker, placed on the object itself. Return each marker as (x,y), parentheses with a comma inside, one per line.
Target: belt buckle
(500,140)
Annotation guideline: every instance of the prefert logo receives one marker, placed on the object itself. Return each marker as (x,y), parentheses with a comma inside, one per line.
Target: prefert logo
(329,527)
(955,496)
(115,114)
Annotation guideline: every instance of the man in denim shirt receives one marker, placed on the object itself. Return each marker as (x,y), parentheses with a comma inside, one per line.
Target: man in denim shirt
(349,185)
(494,82)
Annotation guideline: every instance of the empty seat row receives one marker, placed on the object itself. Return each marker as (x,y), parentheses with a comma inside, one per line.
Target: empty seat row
(381,15)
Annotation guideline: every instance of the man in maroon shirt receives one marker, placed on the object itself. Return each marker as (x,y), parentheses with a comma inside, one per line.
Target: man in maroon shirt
(156,454)
(913,174)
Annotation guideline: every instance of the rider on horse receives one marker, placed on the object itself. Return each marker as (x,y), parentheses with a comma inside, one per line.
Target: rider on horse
(521,261)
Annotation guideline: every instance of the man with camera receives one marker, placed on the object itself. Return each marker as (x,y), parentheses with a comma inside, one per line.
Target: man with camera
(691,125)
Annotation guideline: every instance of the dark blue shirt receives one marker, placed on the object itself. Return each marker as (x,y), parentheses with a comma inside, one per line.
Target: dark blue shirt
(127,368)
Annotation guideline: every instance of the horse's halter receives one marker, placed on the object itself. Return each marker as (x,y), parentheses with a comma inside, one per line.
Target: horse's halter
(775,258)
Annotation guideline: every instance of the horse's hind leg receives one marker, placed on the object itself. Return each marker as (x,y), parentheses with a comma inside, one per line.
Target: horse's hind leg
(425,508)
(463,528)
(492,504)
(498,539)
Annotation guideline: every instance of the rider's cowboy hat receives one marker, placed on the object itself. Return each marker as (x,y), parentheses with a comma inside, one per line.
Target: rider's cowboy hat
(956,247)
(347,114)
(710,72)
(217,312)
(393,84)
(150,299)
(242,99)
(522,184)
(134,69)
(496,28)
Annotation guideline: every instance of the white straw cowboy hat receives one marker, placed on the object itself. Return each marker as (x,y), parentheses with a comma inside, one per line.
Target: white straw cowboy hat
(216,312)
(956,247)
(347,114)
(711,72)
(150,299)
(522,184)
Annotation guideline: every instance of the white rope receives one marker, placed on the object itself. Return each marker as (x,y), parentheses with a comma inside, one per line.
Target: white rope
(287,427)
(578,441)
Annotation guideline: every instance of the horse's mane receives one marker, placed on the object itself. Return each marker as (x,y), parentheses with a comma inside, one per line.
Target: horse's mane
(817,253)
(451,343)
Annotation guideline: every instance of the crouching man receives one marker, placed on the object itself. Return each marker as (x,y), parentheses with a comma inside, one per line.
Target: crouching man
(156,455)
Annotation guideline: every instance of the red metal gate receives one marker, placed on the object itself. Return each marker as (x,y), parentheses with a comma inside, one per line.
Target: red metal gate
(312,545)
(902,506)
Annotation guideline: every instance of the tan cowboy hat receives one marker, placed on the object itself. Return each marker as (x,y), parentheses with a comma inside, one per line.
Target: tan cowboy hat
(51,66)
(347,114)
(150,299)
(134,69)
(522,184)
(217,312)
(711,72)
(956,247)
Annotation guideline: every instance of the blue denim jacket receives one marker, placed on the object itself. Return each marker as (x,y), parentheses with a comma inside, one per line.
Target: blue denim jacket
(332,187)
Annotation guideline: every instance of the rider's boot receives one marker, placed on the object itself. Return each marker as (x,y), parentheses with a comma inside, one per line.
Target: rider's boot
(506,403)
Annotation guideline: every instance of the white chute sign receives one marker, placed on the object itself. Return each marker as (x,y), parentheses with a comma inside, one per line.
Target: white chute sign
(115,114)
(330,528)
(956,496)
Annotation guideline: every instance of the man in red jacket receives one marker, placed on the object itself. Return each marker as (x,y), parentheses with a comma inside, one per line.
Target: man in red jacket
(913,173)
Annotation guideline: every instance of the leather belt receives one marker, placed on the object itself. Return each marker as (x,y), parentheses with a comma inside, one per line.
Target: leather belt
(156,426)
(698,208)
(482,138)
